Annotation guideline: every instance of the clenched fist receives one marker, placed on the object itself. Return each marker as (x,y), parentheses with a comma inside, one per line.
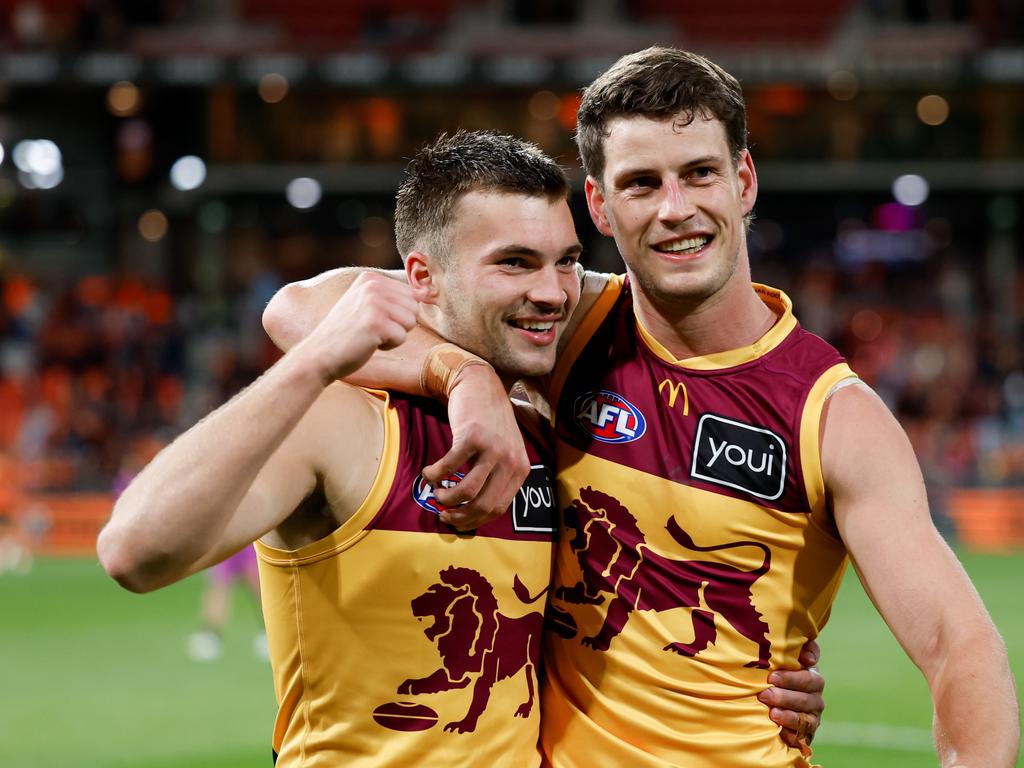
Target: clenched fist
(375,313)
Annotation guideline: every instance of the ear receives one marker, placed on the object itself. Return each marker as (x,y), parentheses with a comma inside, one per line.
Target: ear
(747,177)
(595,202)
(422,272)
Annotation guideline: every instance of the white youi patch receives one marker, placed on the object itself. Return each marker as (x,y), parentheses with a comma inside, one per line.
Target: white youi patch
(741,456)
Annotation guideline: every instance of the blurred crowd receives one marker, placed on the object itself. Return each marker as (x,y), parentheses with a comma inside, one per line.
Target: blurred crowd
(925,340)
(98,373)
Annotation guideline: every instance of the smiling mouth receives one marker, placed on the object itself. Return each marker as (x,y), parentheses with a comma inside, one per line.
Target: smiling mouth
(685,247)
(534,326)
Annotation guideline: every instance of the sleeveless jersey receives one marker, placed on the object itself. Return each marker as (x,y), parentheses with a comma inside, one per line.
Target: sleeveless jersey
(396,640)
(697,552)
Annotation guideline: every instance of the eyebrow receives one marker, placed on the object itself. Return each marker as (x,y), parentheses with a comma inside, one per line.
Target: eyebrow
(512,249)
(631,173)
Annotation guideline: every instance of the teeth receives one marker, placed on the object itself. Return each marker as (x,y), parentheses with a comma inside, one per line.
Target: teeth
(689,245)
(533,326)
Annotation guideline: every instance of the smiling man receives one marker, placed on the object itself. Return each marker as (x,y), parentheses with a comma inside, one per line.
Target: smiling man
(391,635)
(710,533)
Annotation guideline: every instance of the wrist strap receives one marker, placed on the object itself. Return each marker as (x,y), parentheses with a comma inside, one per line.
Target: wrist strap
(442,367)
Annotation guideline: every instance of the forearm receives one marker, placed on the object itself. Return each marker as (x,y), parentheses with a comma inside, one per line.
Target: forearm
(977,719)
(177,509)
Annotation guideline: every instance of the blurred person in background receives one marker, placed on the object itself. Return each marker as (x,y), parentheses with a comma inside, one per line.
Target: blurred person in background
(766,463)
(240,569)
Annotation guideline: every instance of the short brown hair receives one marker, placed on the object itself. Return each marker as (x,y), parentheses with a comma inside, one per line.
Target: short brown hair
(659,83)
(467,161)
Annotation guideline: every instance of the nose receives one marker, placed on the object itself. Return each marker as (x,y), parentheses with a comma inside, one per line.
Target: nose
(547,290)
(676,205)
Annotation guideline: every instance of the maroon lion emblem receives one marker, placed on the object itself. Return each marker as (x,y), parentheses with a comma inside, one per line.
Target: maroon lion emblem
(476,642)
(614,557)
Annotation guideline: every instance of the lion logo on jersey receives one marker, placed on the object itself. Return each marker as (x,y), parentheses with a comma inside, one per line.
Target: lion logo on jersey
(614,557)
(476,640)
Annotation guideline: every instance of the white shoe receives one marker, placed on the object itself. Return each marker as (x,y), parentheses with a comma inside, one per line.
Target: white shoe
(260,648)
(204,646)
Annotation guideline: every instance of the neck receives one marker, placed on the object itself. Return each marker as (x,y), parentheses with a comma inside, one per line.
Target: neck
(732,318)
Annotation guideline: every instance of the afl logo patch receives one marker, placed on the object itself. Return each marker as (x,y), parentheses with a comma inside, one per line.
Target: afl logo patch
(423,492)
(609,417)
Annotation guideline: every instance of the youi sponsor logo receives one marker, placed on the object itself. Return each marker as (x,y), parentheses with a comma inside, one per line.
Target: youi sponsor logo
(609,417)
(533,507)
(740,456)
(423,492)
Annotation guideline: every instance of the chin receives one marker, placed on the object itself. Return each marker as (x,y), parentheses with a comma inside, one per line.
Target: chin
(522,369)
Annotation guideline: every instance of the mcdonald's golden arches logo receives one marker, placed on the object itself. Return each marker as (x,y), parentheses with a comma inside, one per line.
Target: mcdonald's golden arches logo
(674,388)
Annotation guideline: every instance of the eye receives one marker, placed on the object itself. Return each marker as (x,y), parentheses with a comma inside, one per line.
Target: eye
(568,261)
(702,173)
(513,262)
(641,183)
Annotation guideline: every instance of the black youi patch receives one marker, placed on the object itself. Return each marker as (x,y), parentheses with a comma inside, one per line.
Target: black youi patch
(533,508)
(740,456)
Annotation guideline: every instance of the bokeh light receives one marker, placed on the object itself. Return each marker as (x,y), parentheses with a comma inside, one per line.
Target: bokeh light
(544,105)
(910,189)
(123,99)
(303,192)
(273,87)
(843,85)
(188,172)
(153,225)
(932,110)
(374,231)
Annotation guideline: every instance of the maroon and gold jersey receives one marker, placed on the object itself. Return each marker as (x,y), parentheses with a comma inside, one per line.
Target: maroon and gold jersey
(396,640)
(697,552)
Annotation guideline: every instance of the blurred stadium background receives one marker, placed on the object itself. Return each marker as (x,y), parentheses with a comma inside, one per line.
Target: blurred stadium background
(165,165)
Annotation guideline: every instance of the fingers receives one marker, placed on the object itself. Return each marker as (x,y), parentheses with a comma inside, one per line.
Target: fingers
(445,468)
(795,704)
(792,703)
(810,654)
(482,494)
(392,335)
(488,503)
(802,680)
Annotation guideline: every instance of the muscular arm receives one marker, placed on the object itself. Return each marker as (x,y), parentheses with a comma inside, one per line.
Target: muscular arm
(234,476)
(916,582)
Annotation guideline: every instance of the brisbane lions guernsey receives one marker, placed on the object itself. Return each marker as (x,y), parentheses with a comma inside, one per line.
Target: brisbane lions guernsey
(395,640)
(697,552)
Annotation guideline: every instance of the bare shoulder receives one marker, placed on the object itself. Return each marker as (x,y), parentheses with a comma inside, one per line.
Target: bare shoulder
(348,427)
(865,454)
(855,412)
(339,427)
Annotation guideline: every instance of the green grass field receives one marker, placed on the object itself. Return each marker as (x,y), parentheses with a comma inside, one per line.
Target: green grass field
(94,676)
